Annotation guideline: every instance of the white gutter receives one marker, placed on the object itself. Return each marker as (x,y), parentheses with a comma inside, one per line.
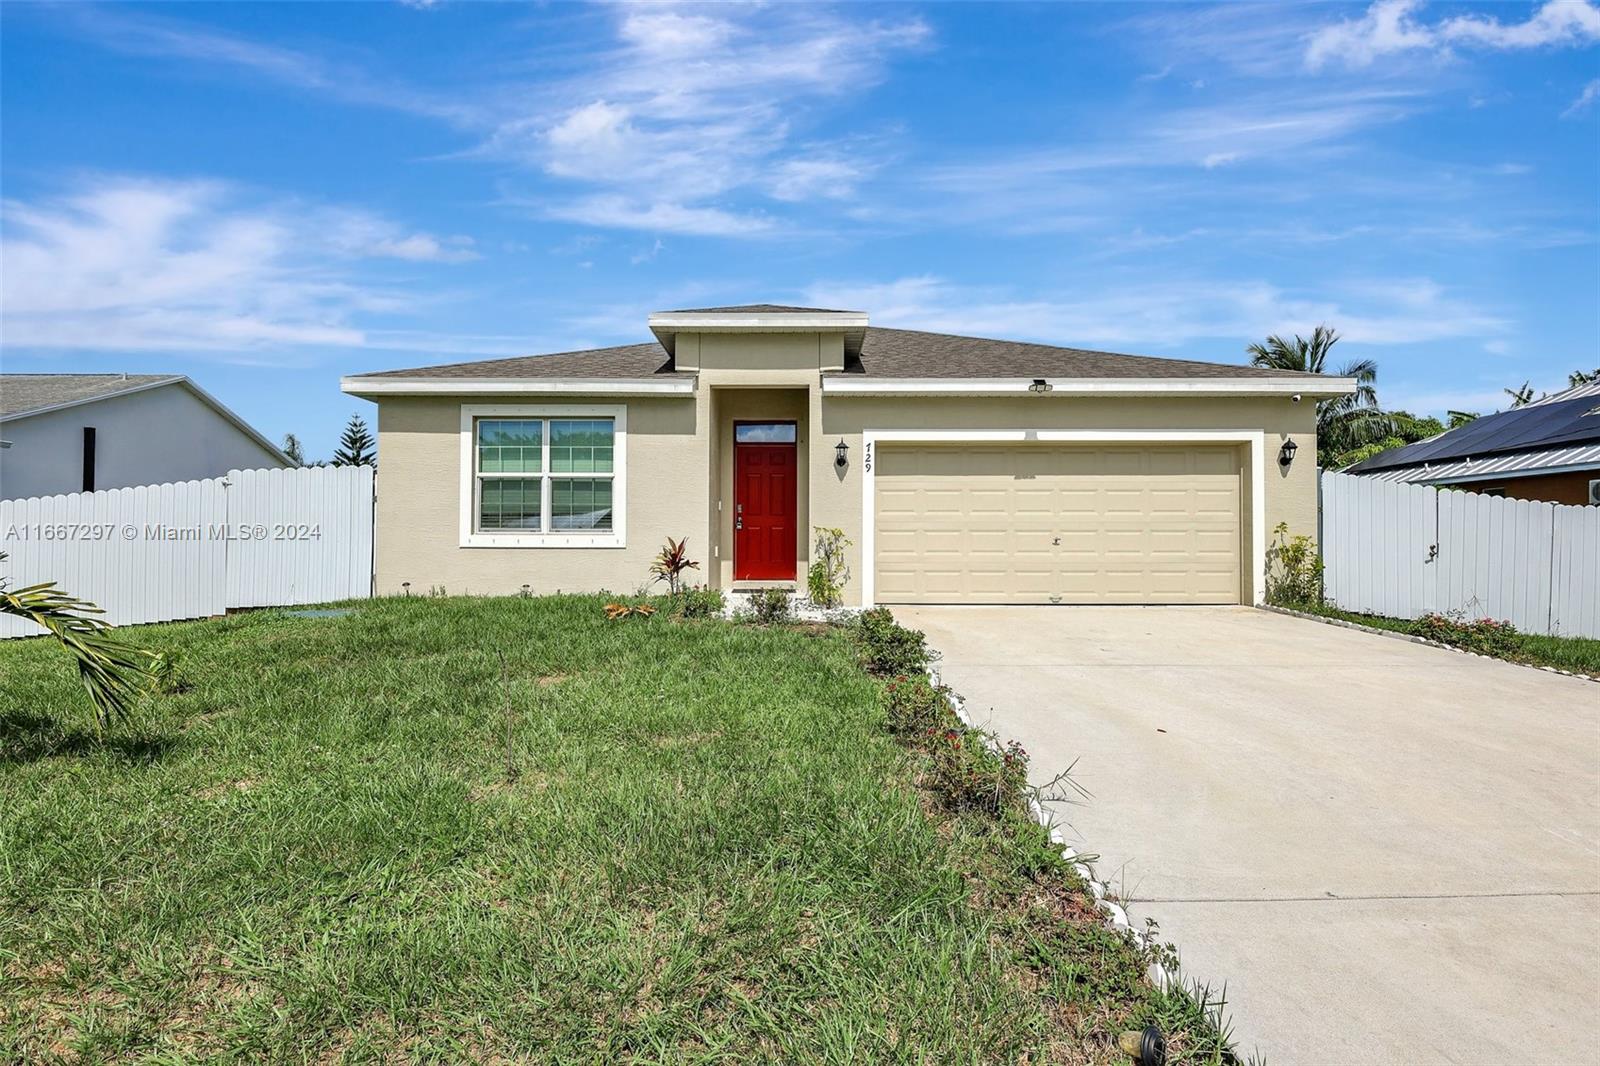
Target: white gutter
(866,386)
(387,386)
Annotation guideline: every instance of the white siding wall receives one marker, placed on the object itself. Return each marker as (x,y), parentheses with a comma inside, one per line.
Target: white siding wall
(1408,550)
(144,438)
(193,549)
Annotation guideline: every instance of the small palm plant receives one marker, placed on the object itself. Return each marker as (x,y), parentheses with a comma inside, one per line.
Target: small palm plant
(670,563)
(113,672)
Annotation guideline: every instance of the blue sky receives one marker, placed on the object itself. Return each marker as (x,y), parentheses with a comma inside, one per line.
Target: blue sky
(266,197)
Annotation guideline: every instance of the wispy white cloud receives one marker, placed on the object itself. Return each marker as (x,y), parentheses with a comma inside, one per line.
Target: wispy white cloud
(1392,27)
(130,264)
(140,33)
(1585,100)
(1153,316)
(697,104)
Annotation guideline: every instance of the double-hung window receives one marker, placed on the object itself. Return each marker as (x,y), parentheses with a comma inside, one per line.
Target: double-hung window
(543,476)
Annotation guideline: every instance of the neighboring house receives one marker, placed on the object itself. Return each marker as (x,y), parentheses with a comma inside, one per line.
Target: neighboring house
(1545,450)
(962,469)
(82,432)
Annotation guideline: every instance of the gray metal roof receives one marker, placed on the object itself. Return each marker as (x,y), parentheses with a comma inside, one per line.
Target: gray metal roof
(22,394)
(1580,457)
(1569,419)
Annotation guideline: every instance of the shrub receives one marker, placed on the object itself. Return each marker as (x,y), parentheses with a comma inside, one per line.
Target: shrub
(826,578)
(670,563)
(967,775)
(1294,570)
(165,677)
(698,601)
(888,649)
(771,606)
(912,707)
(1484,635)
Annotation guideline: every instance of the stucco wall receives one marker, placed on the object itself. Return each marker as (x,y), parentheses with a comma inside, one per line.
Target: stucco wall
(419,496)
(679,464)
(144,438)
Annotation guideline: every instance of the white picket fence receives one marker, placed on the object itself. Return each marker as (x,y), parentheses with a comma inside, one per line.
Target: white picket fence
(193,549)
(1408,550)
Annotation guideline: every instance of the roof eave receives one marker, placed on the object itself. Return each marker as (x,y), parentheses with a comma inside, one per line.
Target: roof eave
(853,385)
(372,387)
(666,325)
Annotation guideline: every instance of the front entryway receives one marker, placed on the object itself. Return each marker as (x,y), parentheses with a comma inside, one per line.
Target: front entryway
(765,485)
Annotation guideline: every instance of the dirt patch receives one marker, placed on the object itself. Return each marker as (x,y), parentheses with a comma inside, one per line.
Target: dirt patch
(553,679)
(686,740)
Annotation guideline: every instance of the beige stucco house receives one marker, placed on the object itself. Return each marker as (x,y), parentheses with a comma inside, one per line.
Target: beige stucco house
(963,470)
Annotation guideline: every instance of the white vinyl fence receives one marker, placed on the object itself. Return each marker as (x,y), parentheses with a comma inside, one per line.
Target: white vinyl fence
(192,549)
(1408,550)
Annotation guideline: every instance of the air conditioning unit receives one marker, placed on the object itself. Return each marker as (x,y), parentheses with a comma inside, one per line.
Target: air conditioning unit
(1594,492)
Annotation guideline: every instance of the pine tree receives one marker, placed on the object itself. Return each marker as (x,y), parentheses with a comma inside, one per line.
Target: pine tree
(356,446)
(291,448)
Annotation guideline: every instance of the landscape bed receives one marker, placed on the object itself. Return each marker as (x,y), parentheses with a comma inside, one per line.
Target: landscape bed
(510,829)
(1578,655)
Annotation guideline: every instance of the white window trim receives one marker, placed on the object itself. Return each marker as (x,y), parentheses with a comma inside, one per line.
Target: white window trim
(1255,438)
(471,537)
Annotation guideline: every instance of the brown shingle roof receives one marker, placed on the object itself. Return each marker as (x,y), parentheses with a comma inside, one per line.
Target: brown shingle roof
(885,353)
(21,393)
(623,361)
(910,353)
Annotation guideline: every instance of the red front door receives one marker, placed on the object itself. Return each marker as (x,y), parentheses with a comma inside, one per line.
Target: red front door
(764,512)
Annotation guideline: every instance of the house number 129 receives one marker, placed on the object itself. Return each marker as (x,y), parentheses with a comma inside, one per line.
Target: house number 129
(866,464)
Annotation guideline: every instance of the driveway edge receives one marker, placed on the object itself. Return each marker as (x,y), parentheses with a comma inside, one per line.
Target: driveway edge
(1358,627)
(1116,916)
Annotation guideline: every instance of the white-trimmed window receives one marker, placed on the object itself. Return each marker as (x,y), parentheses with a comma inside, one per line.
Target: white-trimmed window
(543,476)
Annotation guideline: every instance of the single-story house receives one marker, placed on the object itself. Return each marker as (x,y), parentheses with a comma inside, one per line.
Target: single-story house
(62,433)
(1545,450)
(962,470)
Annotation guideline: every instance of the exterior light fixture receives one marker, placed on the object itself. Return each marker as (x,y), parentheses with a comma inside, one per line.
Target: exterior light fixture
(841,454)
(1286,453)
(1040,385)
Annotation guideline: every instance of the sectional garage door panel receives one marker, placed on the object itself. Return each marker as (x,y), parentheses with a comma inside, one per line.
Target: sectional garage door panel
(1057,524)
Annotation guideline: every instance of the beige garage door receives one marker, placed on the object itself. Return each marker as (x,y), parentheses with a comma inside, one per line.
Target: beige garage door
(1057,524)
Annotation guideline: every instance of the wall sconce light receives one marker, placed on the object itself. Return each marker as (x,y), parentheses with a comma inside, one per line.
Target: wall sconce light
(841,454)
(1286,453)
(1040,385)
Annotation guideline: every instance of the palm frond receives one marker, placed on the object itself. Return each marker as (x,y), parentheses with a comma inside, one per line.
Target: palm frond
(112,672)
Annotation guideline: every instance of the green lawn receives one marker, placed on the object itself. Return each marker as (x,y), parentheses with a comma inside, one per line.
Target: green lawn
(1580,655)
(699,845)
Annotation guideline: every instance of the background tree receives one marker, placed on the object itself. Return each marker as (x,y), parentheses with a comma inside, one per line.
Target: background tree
(356,446)
(1584,377)
(1344,423)
(291,448)
(1520,397)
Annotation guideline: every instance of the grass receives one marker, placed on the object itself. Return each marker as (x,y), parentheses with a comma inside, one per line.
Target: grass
(1580,655)
(684,842)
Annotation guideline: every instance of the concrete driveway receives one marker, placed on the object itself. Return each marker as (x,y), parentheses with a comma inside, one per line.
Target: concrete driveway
(1389,852)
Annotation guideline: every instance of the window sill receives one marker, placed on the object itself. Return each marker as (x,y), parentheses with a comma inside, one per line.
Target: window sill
(542,540)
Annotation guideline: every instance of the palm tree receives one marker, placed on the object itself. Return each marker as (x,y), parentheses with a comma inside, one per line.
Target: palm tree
(1583,377)
(1520,397)
(112,672)
(1344,423)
